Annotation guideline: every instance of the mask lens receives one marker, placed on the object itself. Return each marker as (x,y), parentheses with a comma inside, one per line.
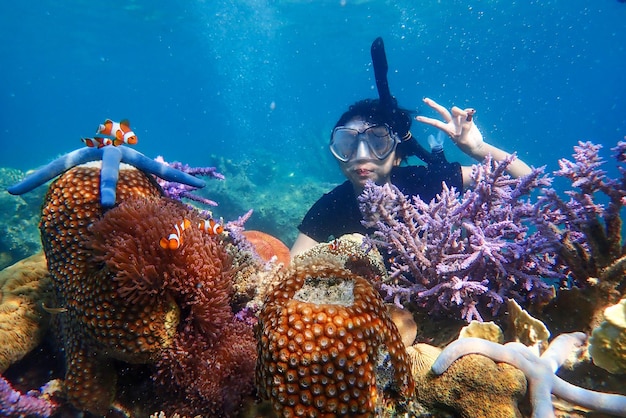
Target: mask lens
(380,141)
(344,143)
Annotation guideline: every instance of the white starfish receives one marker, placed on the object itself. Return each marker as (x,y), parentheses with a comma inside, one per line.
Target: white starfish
(539,371)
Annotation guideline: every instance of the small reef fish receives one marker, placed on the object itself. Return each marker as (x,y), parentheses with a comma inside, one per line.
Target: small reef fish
(53,310)
(211,226)
(112,133)
(175,239)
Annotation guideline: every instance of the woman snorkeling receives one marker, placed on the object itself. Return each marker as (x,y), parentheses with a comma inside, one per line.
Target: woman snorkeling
(371,140)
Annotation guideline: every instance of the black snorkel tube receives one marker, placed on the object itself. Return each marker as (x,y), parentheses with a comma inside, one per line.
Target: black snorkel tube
(390,105)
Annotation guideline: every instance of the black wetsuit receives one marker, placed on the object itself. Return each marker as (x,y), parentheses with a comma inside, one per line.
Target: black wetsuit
(337,212)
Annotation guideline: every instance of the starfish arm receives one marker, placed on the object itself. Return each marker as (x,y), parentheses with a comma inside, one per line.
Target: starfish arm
(53,169)
(607,403)
(137,159)
(494,351)
(561,347)
(109,174)
(540,390)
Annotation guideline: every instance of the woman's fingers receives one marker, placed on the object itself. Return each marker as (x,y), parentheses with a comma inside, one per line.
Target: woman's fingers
(456,122)
(440,109)
(463,115)
(436,123)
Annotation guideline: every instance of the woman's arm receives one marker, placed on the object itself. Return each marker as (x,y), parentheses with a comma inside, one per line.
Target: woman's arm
(302,243)
(460,127)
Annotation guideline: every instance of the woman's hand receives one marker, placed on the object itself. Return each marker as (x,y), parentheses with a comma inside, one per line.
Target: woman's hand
(459,126)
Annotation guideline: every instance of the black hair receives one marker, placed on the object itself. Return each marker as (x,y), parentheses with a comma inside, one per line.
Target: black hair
(398,119)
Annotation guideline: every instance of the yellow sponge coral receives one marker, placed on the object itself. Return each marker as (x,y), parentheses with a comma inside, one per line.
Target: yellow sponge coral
(607,345)
(23,287)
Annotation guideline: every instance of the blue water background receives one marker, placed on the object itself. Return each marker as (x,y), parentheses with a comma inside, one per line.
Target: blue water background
(258,80)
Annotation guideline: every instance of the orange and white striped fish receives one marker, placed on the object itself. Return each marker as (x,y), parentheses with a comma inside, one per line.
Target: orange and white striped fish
(112,133)
(211,226)
(175,240)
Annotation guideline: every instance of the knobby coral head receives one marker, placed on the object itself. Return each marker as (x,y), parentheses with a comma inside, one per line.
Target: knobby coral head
(127,298)
(327,346)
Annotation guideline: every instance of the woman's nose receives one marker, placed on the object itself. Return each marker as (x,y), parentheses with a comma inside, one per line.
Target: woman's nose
(362,151)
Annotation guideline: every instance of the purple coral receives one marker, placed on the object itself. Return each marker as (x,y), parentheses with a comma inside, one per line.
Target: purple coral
(588,226)
(16,404)
(464,256)
(179,191)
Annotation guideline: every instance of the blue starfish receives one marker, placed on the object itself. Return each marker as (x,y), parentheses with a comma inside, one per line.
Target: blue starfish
(111,157)
(540,372)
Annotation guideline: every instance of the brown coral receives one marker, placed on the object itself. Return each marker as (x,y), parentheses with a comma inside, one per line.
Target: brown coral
(97,326)
(474,386)
(324,334)
(23,288)
(127,298)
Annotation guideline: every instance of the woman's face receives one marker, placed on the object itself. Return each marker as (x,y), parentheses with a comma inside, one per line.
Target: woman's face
(364,165)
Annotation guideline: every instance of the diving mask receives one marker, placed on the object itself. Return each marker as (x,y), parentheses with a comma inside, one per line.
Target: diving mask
(381,142)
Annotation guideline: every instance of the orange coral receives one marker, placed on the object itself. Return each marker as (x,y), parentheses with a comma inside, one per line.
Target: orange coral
(127,298)
(268,246)
(324,334)
(97,325)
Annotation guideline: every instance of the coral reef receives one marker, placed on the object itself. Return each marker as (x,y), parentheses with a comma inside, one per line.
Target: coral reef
(263,183)
(607,345)
(421,358)
(349,252)
(524,328)
(18,224)
(486,330)
(463,256)
(267,246)
(111,158)
(126,298)
(96,322)
(14,404)
(24,288)
(327,345)
(588,229)
(180,191)
(474,386)
(540,372)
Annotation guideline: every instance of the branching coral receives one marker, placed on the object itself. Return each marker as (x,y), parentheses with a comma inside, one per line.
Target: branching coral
(588,227)
(16,404)
(178,191)
(464,256)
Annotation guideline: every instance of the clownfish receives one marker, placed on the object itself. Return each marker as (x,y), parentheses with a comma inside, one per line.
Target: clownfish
(211,227)
(97,142)
(112,133)
(175,239)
